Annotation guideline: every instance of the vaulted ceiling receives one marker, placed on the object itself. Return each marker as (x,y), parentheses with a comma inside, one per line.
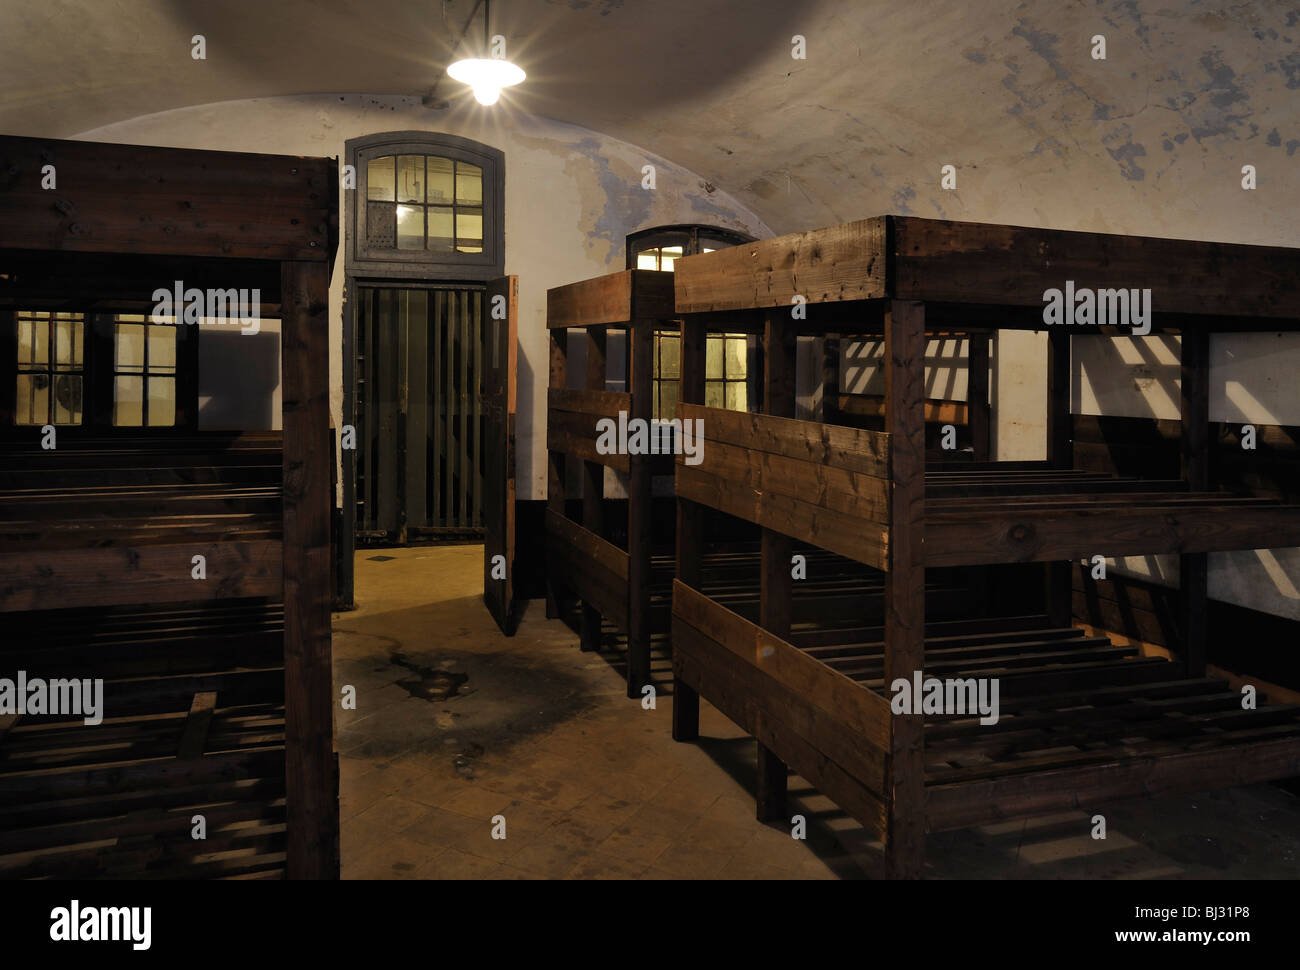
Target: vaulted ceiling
(1039,130)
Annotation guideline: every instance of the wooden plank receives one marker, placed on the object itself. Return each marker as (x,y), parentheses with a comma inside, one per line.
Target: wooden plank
(601,403)
(1193,572)
(690,522)
(818,747)
(196,725)
(1036,793)
(40,578)
(167,201)
(593,482)
(863,712)
(967,262)
(982,536)
(640,369)
(852,449)
(556,467)
(311,784)
(979,405)
(833,531)
(776,590)
(905,591)
(840,263)
(616,298)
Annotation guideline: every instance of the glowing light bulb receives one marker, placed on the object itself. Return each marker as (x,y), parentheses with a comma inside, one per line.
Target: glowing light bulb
(487,76)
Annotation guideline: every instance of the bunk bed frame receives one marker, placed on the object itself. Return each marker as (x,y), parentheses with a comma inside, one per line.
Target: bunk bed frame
(613,583)
(218,696)
(1083,722)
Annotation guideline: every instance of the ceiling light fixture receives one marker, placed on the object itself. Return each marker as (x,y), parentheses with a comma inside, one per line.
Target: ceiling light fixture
(487,75)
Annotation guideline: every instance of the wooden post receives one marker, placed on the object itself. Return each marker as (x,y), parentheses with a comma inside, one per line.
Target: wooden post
(830,404)
(311,780)
(978,409)
(690,523)
(555,463)
(1194,567)
(1057,574)
(776,585)
(593,485)
(641,343)
(905,586)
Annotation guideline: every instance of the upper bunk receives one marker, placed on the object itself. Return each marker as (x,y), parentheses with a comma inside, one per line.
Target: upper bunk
(982,275)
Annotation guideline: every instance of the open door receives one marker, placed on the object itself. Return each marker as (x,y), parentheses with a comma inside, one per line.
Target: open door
(499,452)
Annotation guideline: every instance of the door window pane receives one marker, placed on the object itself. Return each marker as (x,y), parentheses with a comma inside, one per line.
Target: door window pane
(380,182)
(469,184)
(67,399)
(441,188)
(128,397)
(469,231)
(162,402)
(410,178)
(410,227)
(441,230)
(162,348)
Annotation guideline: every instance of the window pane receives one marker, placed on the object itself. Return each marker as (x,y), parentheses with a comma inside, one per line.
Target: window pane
(33,399)
(410,227)
(162,348)
(27,341)
(670,255)
(440,180)
(162,402)
(736,396)
(669,393)
(647,259)
(670,357)
(713,359)
(410,178)
(469,230)
(380,184)
(736,349)
(381,225)
(130,346)
(67,399)
(469,184)
(441,232)
(714,394)
(127,396)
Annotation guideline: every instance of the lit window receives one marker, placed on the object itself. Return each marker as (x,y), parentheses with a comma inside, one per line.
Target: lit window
(144,372)
(51,367)
(424,203)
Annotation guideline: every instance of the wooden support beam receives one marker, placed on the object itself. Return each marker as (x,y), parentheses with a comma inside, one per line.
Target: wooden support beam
(690,521)
(593,483)
(195,734)
(555,460)
(978,407)
(1195,452)
(311,783)
(776,585)
(1056,575)
(905,590)
(641,345)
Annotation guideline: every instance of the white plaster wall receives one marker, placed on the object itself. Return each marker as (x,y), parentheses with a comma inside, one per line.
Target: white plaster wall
(572,196)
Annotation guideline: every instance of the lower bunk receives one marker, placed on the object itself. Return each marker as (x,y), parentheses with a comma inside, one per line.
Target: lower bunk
(1080,721)
(190,723)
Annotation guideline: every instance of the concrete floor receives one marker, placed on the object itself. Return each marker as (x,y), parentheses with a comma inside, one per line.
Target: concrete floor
(455,725)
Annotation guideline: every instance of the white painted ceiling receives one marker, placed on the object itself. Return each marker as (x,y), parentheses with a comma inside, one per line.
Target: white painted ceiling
(1040,132)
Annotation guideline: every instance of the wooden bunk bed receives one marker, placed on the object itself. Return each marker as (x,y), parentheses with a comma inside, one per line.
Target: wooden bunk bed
(1083,721)
(217,690)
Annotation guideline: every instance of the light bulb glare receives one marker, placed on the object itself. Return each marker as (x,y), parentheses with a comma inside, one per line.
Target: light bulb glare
(486,95)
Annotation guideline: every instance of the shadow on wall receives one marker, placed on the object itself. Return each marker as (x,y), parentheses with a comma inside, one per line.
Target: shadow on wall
(239,379)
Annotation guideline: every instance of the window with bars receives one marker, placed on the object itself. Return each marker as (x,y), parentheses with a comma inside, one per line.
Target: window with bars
(51,368)
(144,372)
(726,365)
